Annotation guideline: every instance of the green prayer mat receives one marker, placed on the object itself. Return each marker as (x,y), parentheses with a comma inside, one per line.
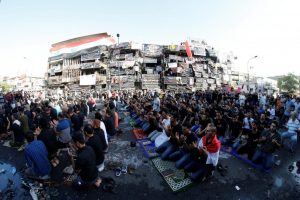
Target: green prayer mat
(178,180)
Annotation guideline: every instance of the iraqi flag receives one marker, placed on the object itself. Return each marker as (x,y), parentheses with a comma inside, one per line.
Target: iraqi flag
(188,49)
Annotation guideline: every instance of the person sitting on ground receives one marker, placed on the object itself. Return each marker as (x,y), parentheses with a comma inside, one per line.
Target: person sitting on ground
(17,131)
(48,137)
(270,142)
(221,125)
(76,124)
(63,131)
(80,115)
(293,126)
(24,120)
(95,142)
(250,146)
(36,156)
(235,126)
(85,164)
(164,122)
(210,145)
(182,157)
(170,146)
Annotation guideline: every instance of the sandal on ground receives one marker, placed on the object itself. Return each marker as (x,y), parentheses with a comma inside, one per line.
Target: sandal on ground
(118,171)
(124,169)
(55,162)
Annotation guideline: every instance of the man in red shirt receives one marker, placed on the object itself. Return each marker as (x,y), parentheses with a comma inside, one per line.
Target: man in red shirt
(208,148)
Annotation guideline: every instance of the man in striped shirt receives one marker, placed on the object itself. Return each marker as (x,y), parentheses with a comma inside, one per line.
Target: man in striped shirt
(293,126)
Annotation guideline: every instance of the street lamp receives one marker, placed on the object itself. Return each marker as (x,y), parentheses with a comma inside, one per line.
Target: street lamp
(118,36)
(249,70)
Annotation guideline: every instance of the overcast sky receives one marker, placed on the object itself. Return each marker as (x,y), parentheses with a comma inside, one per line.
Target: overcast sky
(269,29)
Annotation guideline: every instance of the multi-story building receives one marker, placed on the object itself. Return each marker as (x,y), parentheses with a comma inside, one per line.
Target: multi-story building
(97,62)
(25,83)
(79,62)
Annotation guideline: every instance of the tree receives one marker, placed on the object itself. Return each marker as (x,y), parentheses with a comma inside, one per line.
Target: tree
(288,83)
(5,87)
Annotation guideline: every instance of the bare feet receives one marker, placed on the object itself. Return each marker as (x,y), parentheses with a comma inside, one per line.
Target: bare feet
(54,162)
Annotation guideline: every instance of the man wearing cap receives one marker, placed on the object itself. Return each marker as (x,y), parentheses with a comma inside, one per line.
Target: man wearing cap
(85,164)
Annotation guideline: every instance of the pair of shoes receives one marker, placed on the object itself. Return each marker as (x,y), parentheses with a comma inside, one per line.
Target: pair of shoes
(68,170)
(118,171)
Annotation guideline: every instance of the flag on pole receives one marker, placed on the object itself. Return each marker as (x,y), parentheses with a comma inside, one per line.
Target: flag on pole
(188,49)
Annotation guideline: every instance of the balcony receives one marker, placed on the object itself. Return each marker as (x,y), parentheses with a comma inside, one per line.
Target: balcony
(70,79)
(101,79)
(54,80)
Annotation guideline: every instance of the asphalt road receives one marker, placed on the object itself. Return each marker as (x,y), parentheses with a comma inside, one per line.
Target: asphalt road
(146,182)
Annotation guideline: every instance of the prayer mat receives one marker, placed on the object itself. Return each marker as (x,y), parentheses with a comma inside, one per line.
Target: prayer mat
(232,152)
(178,180)
(139,133)
(130,121)
(148,148)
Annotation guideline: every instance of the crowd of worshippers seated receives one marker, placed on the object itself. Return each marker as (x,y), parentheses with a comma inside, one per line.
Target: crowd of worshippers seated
(190,128)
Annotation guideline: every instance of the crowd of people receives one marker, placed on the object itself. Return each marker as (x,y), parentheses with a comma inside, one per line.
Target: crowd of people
(187,128)
(44,128)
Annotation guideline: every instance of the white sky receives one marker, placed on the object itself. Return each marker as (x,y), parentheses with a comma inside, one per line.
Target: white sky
(269,29)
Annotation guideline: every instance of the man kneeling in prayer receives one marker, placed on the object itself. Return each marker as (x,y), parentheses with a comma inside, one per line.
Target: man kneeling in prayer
(85,164)
(36,156)
(208,147)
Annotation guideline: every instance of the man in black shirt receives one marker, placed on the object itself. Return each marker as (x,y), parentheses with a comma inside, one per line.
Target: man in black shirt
(85,164)
(95,142)
(76,124)
(47,136)
(109,123)
(167,148)
(221,125)
(270,141)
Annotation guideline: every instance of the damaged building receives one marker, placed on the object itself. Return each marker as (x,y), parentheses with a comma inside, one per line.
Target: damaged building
(97,62)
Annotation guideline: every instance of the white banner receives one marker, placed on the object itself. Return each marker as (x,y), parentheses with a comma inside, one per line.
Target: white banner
(88,79)
(172,65)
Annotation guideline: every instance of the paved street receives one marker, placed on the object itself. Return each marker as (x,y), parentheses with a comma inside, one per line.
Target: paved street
(146,182)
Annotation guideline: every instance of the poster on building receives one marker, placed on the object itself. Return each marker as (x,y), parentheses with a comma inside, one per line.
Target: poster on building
(173,47)
(135,45)
(88,79)
(199,51)
(172,65)
(150,60)
(129,57)
(210,81)
(152,50)
(92,54)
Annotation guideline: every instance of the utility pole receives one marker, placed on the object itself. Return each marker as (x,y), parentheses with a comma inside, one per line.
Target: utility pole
(118,36)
